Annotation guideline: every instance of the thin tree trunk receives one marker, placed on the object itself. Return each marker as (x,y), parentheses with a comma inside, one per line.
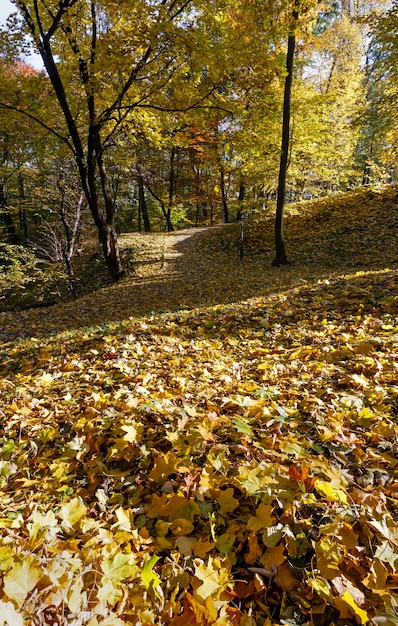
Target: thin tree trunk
(166,213)
(23,218)
(241,199)
(88,163)
(71,231)
(143,205)
(169,225)
(139,214)
(367,166)
(280,253)
(110,244)
(6,216)
(223,194)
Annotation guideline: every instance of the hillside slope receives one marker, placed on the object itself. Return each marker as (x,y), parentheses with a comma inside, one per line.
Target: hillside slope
(234,463)
(347,233)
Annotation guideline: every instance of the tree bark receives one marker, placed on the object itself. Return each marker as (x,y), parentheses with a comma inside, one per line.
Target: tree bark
(223,194)
(71,228)
(143,205)
(280,252)
(241,199)
(23,217)
(169,226)
(6,217)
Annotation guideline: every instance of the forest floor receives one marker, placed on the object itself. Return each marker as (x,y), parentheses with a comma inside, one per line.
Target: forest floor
(211,440)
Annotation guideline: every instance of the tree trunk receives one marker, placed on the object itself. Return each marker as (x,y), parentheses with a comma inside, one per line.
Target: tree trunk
(6,217)
(110,248)
(280,253)
(169,225)
(23,217)
(143,205)
(367,166)
(223,194)
(241,199)
(70,229)
(87,163)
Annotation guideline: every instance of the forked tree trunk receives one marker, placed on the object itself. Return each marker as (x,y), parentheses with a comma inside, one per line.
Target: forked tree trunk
(280,253)
(71,228)
(89,158)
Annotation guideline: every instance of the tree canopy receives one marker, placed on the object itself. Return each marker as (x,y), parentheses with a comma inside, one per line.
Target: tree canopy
(183,101)
(196,438)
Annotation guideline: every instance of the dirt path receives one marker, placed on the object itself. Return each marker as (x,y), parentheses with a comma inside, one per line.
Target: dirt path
(177,282)
(175,271)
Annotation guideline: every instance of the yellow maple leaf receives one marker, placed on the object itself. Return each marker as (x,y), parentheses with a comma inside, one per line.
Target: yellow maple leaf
(255,550)
(75,596)
(134,431)
(213,576)
(322,587)
(263,518)
(360,380)
(274,557)
(330,493)
(9,616)
(164,465)
(45,380)
(201,548)
(180,507)
(348,599)
(120,567)
(109,591)
(125,519)
(181,527)
(21,579)
(72,512)
(226,500)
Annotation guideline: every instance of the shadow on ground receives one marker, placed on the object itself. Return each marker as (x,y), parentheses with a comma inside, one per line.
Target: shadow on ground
(201,267)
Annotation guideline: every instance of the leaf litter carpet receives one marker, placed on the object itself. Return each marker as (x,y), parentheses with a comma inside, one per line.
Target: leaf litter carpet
(233,460)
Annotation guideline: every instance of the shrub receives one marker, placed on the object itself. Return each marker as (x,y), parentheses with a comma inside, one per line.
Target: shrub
(25,280)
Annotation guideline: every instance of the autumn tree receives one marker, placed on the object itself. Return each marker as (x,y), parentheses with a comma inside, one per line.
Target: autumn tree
(328,104)
(280,254)
(22,145)
(378,145)
(104,61)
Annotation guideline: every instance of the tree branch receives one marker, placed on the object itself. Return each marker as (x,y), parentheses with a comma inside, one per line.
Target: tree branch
(11,107)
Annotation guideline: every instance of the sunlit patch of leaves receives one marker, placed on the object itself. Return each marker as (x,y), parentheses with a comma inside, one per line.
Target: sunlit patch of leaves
(356,229)
(229,464)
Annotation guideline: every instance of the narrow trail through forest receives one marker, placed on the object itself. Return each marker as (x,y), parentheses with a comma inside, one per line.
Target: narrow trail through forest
(199,267)
(163,284)
(190,269)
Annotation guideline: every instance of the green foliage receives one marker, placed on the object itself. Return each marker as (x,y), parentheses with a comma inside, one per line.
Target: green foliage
(18,266)
(25,280)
